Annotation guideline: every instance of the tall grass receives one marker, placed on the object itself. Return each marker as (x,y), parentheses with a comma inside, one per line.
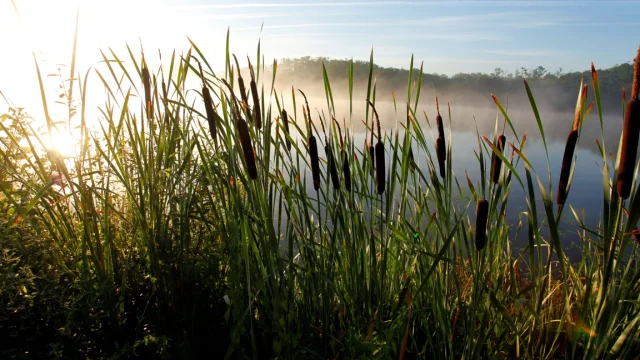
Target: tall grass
(200,213)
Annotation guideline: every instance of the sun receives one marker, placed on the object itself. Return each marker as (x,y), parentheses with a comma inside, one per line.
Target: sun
(65,142)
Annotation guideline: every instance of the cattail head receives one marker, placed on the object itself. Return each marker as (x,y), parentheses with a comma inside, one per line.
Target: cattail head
(346,171)
(208,105)
(247,148)
(315,162)
(630,133)
(257,114)
(333,169)
(482,214)
(412,162)
(439,123)
(380,171)
(496,161)
(211,114)
(578,113)
(285,117)
(624,95)
(243,91)
(635,87)
(567,159)
(379,155)
(441,152)
(146,82)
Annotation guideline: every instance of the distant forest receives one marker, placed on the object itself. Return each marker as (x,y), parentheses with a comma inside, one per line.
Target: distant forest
(555,91)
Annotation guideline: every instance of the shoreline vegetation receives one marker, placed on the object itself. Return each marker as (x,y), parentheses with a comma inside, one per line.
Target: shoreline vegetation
(161,237)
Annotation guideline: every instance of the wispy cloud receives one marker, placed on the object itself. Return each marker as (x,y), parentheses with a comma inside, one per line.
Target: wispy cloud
(523,52)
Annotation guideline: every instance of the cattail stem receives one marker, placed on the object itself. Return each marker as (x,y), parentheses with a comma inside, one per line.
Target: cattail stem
(630,133)
(482,214)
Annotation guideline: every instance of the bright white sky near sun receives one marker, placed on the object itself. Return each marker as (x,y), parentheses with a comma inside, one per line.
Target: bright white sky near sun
(449,36)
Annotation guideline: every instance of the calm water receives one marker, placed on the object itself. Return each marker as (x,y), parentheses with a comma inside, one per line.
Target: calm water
(586,193)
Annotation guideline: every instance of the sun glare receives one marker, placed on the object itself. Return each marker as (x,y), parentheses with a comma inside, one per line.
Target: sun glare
(64,142)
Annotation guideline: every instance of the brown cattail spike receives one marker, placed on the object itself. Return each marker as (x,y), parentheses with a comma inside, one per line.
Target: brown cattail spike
(257,114)
(630,133)
(333,170)
(243,91)
(496,161)
(315,163)
(380,172)
(285,117)
(247,148)
(146,82)
(441,152)
(567,159)
(346,171)
(482,214)
(211,114)
(439,120)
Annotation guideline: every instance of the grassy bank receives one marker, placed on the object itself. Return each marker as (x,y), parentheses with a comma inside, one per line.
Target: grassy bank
(184,227)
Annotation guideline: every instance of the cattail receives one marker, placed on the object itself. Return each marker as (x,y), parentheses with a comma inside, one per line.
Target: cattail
(569,148)
(379,155)
(256,99)
(243,91)
(380,173)
(496,161)
(146,82)
(346,171)
(567,158)
(247,148)
(629,146)
(441,153)
(211,114)
(412,162)
(285,117)
(441,148)
(345,159)
(313,147)
(333,170)
(372,152)
(315,163)
(439,121)
(482,214)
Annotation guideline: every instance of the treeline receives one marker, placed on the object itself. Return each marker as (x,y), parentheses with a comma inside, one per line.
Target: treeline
(555,90)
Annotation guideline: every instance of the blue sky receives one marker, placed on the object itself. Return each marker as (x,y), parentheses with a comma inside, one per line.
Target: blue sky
(449,36)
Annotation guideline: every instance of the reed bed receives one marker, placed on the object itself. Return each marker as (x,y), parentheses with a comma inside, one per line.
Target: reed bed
(182,241)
